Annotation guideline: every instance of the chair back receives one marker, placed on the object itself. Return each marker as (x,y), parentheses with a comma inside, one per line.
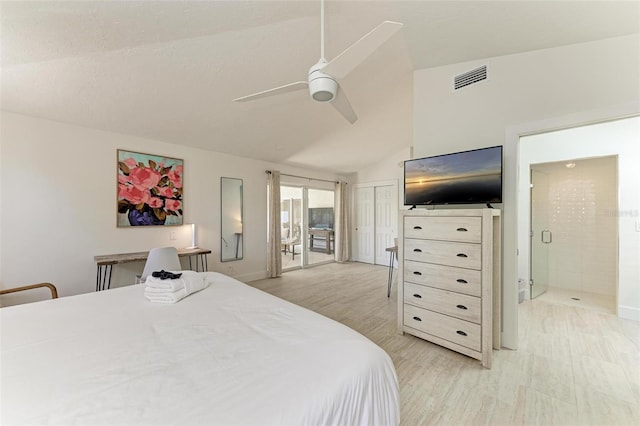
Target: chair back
(296,233)
(161,258)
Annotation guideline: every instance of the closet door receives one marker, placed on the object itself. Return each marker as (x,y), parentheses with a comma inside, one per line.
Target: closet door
(363,241)
(375,218)
(386,221)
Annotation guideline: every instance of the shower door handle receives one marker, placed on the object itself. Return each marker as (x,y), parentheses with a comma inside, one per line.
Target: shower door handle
(546,237)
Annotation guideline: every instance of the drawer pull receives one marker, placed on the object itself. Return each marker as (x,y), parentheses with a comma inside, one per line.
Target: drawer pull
(461,229)
(464,308)
(460,332)
(417,296)
(461,281)
(417,273)
(461,255)
(417,227)
(417,318)
(417,250)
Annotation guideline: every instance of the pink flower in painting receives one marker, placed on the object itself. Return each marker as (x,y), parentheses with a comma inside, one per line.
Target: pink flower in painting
(133,194)
(144,177)
(130,162)
(165,191)
(172,205)
(176,178)
(155,202)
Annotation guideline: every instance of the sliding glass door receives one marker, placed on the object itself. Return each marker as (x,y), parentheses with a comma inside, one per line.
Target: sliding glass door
(291,222)
(306,220)
(320,214)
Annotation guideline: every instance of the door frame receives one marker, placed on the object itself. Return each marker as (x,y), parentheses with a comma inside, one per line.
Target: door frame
(512,238)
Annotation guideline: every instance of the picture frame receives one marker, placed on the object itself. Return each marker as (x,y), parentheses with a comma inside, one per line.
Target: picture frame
(149,189)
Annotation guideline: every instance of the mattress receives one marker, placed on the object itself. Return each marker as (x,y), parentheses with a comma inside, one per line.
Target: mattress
(229,354)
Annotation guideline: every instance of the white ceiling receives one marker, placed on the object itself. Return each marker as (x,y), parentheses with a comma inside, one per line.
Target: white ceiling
(168,70)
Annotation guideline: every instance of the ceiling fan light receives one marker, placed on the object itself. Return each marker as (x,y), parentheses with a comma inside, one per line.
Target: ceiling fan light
(322,96)
(322,87)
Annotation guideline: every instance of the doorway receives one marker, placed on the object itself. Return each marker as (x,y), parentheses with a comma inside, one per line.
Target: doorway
(574,237)
(306,220)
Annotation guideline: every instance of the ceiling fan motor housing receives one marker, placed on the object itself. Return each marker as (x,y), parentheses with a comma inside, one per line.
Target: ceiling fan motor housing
(322,87)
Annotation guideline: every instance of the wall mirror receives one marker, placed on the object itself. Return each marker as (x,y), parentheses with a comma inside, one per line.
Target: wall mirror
(231,219)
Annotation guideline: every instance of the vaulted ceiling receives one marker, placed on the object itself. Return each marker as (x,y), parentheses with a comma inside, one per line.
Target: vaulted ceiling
(169,70)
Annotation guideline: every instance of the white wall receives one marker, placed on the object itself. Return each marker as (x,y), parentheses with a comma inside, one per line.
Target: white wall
(621,138)
(321,198)
(524,92)
(391,169)
(58,199)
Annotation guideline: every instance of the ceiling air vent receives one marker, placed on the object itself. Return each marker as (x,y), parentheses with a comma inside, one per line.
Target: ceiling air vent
(470,77)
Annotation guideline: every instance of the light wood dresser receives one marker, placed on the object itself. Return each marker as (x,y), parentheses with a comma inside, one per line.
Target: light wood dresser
(449,279)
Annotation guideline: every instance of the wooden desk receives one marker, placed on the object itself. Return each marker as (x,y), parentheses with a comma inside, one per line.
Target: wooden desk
(105,263)
(326,234)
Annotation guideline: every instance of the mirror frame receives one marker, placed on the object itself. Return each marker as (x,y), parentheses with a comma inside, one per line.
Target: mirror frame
(231,228)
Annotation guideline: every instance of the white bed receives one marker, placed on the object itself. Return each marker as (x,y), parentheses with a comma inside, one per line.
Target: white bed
(229,354)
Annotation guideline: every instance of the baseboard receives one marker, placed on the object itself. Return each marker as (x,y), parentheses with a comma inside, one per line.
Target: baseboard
(627,312)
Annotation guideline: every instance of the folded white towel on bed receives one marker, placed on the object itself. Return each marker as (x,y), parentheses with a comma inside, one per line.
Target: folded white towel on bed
(186,278)
(166,297)
(172,291)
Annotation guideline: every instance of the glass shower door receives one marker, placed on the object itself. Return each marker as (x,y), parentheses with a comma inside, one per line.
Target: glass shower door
(540,234)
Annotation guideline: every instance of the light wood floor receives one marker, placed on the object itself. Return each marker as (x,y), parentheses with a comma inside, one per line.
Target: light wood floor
(289,262)
(574,366)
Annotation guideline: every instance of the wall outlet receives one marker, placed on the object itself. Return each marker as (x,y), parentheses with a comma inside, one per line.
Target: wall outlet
(172,236)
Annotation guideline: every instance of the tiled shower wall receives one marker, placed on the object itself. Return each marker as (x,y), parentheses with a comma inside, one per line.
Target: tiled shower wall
(582,206)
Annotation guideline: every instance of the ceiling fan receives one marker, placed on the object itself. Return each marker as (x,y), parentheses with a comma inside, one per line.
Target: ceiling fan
(322,79)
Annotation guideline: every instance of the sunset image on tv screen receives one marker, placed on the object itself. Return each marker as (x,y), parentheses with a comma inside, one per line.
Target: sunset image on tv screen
(461,178)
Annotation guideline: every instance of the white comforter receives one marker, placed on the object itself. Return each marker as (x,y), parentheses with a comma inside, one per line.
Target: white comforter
(229,354)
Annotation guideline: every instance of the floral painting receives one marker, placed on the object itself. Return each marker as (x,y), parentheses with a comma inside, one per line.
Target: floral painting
(149,189)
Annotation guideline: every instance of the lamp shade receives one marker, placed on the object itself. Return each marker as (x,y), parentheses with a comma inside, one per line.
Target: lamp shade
(193,237)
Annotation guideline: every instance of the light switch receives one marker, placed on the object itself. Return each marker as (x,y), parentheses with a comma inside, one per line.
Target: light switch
(637,225)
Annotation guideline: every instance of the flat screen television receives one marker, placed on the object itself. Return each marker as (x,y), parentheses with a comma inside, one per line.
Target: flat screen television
(321,218)
(467,177)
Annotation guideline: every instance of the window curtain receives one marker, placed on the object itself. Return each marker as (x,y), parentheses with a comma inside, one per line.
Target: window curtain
(274,259)
(342,235)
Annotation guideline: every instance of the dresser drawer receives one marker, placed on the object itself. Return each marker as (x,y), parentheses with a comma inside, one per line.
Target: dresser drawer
(460,280)
(463,229)
(454,330)
(464,255)
(444,302)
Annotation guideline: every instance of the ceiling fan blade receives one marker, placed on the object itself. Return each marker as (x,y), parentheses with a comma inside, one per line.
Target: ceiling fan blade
(353,55)
(291,87)
(342,105)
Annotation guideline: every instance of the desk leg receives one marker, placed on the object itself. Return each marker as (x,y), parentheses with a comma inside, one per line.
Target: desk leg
(103,277)
(391,257)
(201,261)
